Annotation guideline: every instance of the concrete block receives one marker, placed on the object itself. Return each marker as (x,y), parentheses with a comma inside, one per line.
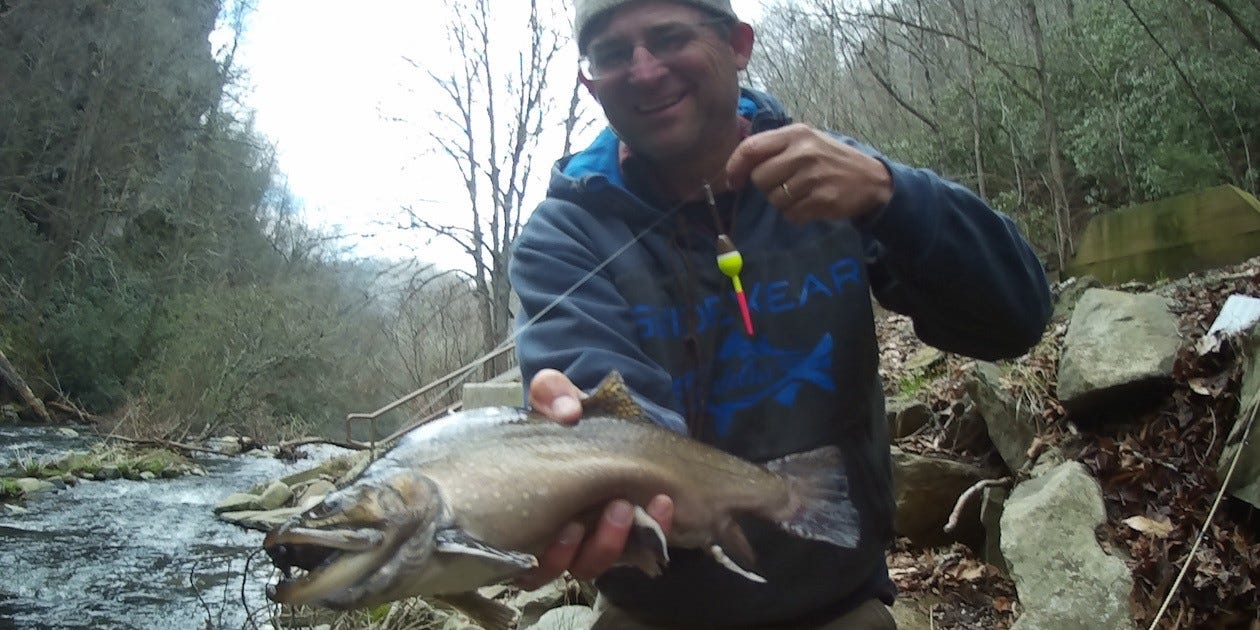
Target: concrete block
(493,395)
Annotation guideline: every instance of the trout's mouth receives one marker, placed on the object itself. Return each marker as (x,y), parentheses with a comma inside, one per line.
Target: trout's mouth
(316,563)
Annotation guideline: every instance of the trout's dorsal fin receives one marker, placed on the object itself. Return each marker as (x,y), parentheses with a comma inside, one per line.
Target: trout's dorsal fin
(613,398)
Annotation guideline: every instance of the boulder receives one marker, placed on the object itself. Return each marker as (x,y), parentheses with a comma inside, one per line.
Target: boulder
(1119,346)
(926,489)
(31,485)
(315,490)
(261,520)
(1010,423)
(991,505)
(1069,292)
(1064,579)
(237,502)
(276,495)
(906,416)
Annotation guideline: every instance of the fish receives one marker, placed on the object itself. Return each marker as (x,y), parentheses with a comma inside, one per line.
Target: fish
(473,498)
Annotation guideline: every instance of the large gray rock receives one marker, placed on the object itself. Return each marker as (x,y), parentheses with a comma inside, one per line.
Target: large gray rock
(263,521)
(906,416)
(1069,292)
(1245,482)
(1011,423)
(565,618)
(237,502)
(991,504)
(275,496)
(926,489)
(31,485)
(1118,345)
(315,490)
(1064,579)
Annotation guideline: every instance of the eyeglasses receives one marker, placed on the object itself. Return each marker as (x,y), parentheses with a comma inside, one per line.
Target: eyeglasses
(607,59)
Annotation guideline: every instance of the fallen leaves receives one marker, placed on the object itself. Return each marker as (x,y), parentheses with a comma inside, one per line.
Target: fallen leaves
(1158,528)
(1159,479)
(971,593)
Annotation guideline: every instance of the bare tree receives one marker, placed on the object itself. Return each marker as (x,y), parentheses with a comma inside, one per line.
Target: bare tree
(1058,190)
(494,120)
(977,129)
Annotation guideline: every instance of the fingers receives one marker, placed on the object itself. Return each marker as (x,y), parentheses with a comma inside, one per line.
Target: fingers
(661,509)
(552,394)
(587,558)
(808,175)
(602,548)
(757,150)
(556,559)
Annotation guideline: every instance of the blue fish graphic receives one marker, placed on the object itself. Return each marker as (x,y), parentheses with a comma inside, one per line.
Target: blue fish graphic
(747,359)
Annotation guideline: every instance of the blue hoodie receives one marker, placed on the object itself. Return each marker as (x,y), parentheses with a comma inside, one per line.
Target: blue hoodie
(648,300)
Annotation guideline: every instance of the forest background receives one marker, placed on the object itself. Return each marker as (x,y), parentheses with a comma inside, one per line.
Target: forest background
(156,270)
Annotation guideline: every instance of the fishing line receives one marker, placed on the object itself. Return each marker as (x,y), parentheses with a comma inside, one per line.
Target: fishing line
(1203,532)
(567,292)
(457,377)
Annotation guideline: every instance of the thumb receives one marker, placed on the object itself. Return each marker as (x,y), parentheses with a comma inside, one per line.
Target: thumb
(552,394)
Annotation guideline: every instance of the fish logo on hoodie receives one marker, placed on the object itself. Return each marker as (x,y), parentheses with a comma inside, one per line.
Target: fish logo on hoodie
(753,371)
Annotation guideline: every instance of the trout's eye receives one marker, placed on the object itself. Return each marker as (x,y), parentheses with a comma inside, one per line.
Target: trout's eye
(356,506)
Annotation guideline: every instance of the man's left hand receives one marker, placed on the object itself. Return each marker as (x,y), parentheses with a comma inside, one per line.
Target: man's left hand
(809,175)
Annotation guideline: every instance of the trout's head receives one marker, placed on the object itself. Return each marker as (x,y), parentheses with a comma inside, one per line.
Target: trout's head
(355,547)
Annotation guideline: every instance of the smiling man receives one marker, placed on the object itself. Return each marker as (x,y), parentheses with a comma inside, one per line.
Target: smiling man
(619,266)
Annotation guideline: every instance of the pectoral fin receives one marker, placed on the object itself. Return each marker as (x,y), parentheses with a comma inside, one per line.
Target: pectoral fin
(486,612)
(645,549)
(459,541)
(732,539)
(722,559)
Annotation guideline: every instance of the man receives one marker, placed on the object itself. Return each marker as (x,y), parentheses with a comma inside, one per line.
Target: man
(619,260)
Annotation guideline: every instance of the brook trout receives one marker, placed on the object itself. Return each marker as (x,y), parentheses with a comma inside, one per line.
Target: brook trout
(471,499)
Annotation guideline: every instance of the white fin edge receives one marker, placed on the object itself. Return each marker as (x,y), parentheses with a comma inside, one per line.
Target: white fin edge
(722,559)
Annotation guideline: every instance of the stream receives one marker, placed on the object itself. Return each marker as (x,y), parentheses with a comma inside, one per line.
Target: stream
(133,554)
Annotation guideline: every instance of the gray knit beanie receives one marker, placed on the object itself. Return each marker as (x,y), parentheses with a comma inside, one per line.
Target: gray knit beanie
(587,10)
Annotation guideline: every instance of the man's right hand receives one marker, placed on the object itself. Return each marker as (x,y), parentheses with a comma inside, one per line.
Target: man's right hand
(552,394)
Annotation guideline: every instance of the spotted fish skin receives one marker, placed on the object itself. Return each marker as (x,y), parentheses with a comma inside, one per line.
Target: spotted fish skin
(473,498)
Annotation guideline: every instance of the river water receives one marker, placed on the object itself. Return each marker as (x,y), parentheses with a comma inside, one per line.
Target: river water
(133,554)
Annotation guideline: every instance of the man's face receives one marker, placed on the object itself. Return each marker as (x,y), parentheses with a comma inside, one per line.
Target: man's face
(676,107)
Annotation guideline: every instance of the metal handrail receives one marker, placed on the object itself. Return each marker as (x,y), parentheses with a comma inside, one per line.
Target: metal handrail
(448,380)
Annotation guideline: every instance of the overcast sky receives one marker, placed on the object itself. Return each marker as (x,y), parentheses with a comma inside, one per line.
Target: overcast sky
(326,82)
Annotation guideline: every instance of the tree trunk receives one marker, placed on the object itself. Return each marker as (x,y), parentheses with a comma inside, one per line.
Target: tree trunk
(10,379)
(1058,190)
(960,6)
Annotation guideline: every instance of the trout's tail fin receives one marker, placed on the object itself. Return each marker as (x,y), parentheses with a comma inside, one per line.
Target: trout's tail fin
(822,508)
